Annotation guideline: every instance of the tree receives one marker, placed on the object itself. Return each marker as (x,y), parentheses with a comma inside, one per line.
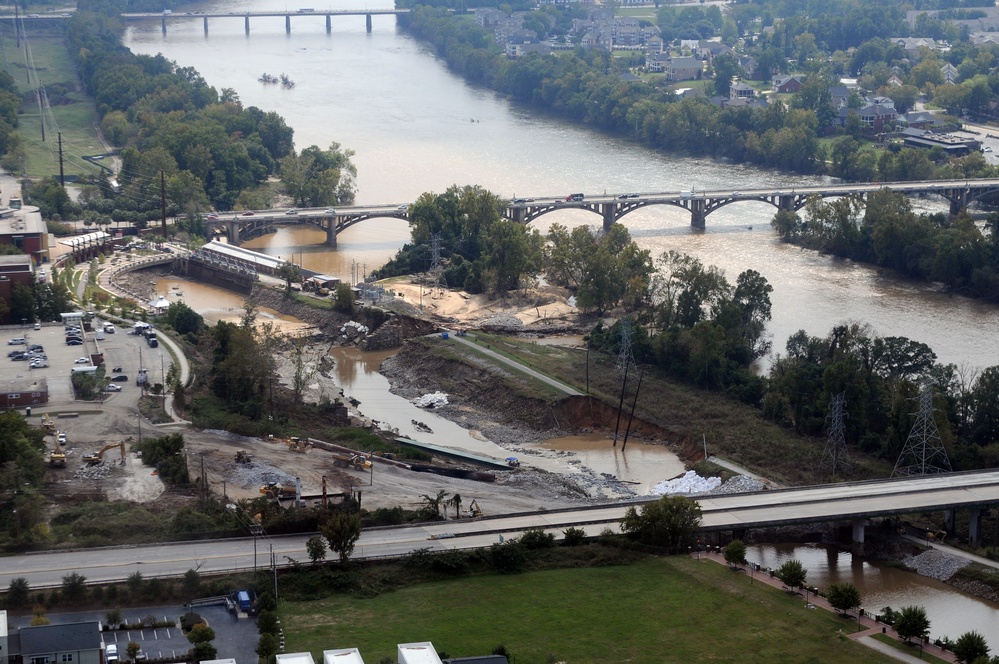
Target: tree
(134,583)
(342,530)
(74,587)
(132,649)
(114,618)
(205,651)
(201,633)
(267,647)
(316,549)
(670,522)
(726,68)
(912,622)
(792,574)
(843,596)
(267,622)
(735,552)
(17,592)
(343,299)
(970,647)
(39,618)
(192,581)
(431,509)
(290,273)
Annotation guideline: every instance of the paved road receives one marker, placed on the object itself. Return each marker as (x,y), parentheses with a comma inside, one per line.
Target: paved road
(722,512)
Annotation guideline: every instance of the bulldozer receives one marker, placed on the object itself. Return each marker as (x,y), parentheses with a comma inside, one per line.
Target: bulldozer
(355,461)
(242,456)
(95,458)
(295,444)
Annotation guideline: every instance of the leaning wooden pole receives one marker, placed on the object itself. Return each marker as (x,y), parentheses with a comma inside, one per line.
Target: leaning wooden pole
(633,404)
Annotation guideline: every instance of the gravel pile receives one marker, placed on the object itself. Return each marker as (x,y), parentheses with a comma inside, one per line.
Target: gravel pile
(256,473)
(502,321)
(935,564)
(96,472)
(740,484)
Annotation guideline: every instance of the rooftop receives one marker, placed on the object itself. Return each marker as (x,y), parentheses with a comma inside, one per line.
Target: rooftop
(26,221)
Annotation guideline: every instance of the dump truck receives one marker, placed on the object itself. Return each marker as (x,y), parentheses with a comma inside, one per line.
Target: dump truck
(355,461)
(279,491)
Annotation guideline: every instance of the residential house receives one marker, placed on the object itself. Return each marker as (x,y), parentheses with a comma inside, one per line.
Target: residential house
(919,120)
(519,47)
(873,116)
(913,45)
(895,81)
(656,62)
(654,45)
(709,50)
(949,73)
(786,84)
(840,95)
(683,69)
(739,89)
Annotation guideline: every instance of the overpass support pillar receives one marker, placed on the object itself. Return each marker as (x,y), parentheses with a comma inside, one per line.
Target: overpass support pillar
(519,215)
(857,544)
(949,521)
(697,214)
(163,24)
(367,22)
(959,202)
(287,23)
(786,203)
(206,25)
(329,24)
(331,232)
(609,212)
(232,227)
(975,527)
(247,23)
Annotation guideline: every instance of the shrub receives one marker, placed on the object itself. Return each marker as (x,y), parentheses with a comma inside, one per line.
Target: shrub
(574,536)
(536,538)
(189,620)
(735,552)
(267,622)
(507,558)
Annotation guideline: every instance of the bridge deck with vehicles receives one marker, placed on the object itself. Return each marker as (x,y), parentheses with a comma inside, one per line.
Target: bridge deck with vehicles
(328,14)
(855,502)
(611,208)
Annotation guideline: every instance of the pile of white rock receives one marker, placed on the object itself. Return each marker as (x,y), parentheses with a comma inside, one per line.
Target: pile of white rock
(351,331)
(689,483)
(432,400)
(935,564)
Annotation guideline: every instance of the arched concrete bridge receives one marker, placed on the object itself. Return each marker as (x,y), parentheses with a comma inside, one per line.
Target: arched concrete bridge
(235,226)
(611,208)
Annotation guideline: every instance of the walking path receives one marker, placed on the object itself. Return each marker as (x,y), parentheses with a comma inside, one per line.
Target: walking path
(870,625)
(485,350)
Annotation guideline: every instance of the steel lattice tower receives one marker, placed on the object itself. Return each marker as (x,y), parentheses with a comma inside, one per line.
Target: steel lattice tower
(836,456)
(626,356)
(924,452)
(439,282)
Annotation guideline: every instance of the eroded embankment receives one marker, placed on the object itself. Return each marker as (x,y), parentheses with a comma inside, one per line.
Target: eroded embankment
(492,399)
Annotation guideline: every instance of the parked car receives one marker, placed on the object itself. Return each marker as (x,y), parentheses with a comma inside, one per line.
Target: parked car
(62,437)
(74,342)
(120,378)
(82,360)
(38,326)
(39,364)
(112,388)
(17,341)
(34,347)
(109,328)
(117,370)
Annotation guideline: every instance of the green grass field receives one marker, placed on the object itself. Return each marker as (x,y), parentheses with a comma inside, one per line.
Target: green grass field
(72,113)
(663,610)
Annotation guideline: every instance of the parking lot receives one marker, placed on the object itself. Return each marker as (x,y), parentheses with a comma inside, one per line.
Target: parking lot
(235,638)
(130,352)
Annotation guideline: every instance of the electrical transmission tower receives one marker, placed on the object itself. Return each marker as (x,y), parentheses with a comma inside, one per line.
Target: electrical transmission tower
(924,451)
(438,283)
(626,356)
(836,456)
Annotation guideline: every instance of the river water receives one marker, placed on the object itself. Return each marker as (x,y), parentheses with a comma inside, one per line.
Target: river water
(416,128)
(951,612)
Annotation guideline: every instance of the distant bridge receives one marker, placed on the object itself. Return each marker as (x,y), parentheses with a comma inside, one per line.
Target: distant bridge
(611,208)
(246,16)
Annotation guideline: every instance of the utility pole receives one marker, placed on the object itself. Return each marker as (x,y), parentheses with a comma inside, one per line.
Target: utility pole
(634,403)
(62,175)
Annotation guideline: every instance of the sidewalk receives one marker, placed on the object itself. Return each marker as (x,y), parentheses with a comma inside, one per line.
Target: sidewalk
(870,625)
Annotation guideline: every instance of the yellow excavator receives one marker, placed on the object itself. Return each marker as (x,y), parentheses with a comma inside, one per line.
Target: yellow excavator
(95,458)
(57,459)
(47,424)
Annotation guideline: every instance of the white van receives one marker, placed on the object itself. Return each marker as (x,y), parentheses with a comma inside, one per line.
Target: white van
(111,653)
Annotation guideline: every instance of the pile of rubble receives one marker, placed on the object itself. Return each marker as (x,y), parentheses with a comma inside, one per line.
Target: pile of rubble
(351,331)
(740,484)
(98,471)
(432,400)
(690,483)
(935,564)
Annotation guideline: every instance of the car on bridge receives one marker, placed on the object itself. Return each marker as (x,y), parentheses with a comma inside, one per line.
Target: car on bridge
(248,213)
(291,212)
(212,217)
(329,211)
(402,208)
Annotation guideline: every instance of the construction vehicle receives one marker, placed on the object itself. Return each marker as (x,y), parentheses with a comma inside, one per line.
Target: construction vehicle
(295,444)
(57,459)
(473,510)
(279,491)
(938,536)
(355,461)
(47,424)
(243,456)
(95,458)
